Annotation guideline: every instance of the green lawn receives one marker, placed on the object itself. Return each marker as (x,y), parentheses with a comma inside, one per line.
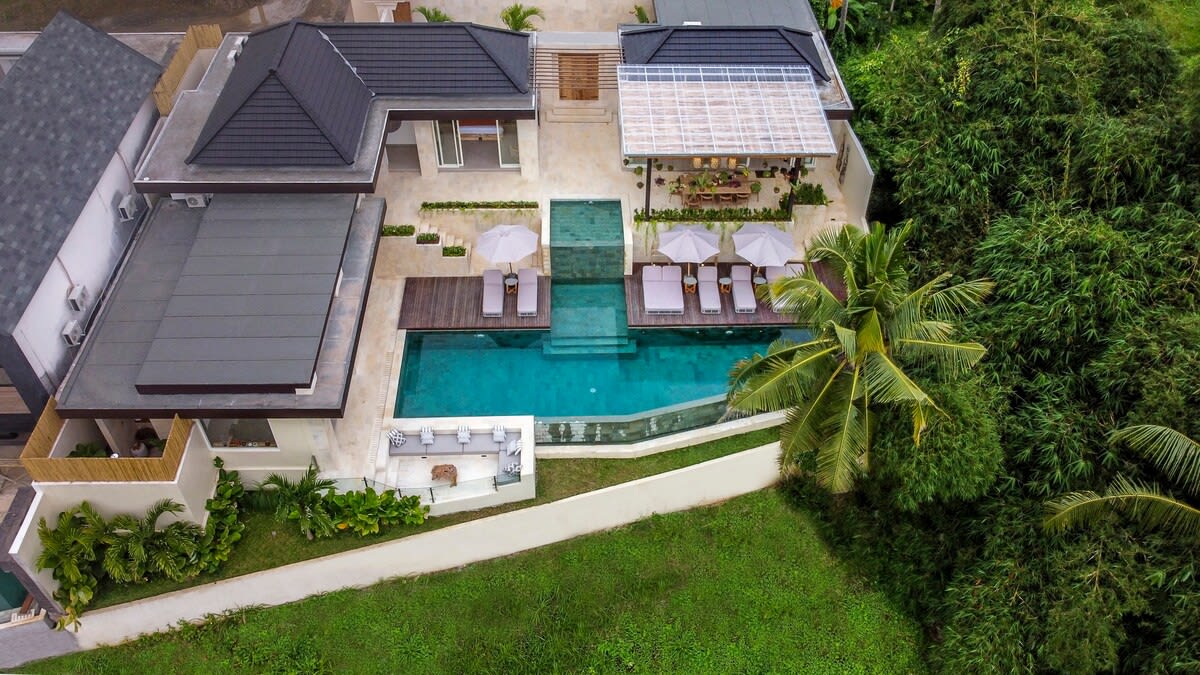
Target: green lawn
(746,586)
(267,543)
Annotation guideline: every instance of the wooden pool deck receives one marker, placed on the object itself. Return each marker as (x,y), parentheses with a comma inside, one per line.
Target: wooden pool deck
(454,303)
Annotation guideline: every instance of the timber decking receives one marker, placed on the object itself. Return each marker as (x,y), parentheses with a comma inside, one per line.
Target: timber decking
(638,318)
(456,303)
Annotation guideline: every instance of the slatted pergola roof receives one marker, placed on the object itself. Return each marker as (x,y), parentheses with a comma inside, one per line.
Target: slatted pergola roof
(723,111)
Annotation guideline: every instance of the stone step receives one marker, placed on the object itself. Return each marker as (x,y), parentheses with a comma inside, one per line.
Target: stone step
(578,115)
(551,349)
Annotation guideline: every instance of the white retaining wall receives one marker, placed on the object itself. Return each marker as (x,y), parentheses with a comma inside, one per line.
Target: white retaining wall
(447,548)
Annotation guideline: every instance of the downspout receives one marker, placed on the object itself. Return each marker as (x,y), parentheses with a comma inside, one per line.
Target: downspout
(649,168)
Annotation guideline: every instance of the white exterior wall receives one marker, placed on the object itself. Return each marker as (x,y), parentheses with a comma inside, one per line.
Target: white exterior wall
(88,256)
(297,441)
(527,144)
(857,177)
(192,487)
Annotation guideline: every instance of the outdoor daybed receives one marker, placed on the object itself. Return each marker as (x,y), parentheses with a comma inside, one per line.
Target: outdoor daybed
(662,289)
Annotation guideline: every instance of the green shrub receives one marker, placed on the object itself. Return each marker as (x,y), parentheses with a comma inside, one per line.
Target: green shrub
(224,528)
(366,512)
(89,450)
(428,238)
(454,251)
(809,194)
(737,215)
(466,206)
(399,230)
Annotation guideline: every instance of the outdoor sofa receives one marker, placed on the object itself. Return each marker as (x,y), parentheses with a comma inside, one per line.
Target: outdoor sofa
(662,289)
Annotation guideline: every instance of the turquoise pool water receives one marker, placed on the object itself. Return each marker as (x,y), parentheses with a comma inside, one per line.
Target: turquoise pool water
(12,594)
(498,373)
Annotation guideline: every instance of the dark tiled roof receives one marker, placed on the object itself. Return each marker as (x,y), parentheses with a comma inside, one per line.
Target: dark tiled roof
(435,59)
(292,100)
(717,45)
(248,310)
(64,108)
(299,93)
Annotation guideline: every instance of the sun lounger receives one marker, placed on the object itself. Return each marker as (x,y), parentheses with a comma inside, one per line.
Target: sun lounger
(662,289)
(493,293)
(743,290)
(527,292)
(710,295)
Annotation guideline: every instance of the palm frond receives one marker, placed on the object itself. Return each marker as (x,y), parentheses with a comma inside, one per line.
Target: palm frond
(959,298)
(954,357)
(838,458)
(804,430)
(870,333)
(804,297)
(1141,501)
(1176,455)
(773,381)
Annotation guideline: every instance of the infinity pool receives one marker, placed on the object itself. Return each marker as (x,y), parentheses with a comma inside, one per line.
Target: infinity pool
(497,373)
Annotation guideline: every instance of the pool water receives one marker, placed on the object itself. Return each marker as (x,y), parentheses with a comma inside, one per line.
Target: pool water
(12,594)
(499,373)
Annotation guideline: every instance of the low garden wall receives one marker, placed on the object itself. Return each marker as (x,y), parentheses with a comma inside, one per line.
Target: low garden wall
(630,428)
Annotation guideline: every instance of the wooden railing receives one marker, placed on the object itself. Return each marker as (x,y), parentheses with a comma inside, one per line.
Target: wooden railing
(207,36)
(44,468)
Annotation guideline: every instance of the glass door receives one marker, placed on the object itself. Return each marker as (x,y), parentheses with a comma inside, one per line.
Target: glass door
(449,145)
(506,138)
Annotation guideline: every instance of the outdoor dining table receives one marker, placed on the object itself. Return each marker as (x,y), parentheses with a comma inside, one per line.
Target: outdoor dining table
(735,192)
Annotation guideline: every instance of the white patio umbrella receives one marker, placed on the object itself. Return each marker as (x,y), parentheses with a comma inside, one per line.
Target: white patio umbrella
(763,245)
(688,244)
(507,244)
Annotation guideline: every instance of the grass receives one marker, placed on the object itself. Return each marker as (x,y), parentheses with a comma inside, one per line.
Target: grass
(746,586)
(267,543)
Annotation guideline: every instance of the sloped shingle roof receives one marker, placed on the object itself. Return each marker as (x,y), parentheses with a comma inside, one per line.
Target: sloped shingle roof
(64,108)
(299,93)
(722,46)
(292,99)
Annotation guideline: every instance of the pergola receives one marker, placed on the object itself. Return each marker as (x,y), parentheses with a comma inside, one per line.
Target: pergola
(720,111)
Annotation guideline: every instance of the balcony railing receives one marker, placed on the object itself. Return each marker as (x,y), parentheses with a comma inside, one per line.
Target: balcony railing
(44,468)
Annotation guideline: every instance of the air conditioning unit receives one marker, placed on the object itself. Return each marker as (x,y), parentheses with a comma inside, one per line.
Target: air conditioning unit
(78,297)
(195,200)
(72,334)
(130,206)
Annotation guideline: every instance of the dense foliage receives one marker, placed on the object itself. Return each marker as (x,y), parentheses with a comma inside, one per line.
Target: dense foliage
(83,548)
(1053,148)
(317,508)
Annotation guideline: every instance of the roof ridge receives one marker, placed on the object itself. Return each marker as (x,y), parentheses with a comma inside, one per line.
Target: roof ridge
(469,28)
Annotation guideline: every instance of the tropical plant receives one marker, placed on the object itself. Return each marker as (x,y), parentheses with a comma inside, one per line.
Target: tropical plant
(137,549)
(92,449)
(1174,454)
(224,528)
(70,551)
(303,501)
(518,17)
(367,511)
(853,367)
(640,13)
(433,15)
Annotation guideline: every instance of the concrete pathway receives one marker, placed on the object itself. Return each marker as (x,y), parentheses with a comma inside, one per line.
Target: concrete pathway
(448,548)
(33,641)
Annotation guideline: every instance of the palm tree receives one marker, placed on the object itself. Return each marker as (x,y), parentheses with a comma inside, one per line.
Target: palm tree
(303,501)
(434,15)
(1176,455)
(834,385)
(138,548)
(69,551)
(518,17)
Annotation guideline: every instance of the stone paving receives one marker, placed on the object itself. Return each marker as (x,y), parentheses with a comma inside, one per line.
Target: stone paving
(33,641)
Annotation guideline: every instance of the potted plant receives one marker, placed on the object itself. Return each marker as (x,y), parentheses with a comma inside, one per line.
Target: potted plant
(660,181)
(639,170)
(756,187)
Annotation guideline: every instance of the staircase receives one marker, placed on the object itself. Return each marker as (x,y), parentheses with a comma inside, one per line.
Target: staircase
(588,319)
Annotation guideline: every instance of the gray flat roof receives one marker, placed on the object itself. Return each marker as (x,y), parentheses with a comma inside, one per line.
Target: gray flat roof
(165,272)
(797,14)
(64,108)
(248,310)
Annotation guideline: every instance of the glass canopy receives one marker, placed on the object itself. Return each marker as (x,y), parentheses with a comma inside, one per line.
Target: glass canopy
(736,111)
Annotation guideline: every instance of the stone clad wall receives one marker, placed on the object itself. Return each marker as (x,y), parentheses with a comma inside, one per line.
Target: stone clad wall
(630,428)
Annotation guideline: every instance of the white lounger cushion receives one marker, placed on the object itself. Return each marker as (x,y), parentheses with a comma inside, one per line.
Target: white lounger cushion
(493,293)
(527,292)
(743,290)
(706,273)
(660,295)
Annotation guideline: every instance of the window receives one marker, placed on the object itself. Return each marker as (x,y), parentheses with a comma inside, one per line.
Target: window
(244,433)
(579,77)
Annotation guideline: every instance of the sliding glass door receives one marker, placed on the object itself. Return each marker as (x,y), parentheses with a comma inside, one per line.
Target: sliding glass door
(449,145)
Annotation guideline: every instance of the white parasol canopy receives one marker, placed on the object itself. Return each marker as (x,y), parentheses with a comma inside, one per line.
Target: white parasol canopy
(688,244)
(763,245)
(507,243)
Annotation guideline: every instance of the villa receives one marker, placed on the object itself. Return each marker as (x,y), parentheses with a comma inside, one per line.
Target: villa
(589,213)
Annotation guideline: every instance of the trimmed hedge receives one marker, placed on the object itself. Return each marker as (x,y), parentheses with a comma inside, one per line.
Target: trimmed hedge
(736,215)
(428,238)
(454,251)
(398,230)
(464,206)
